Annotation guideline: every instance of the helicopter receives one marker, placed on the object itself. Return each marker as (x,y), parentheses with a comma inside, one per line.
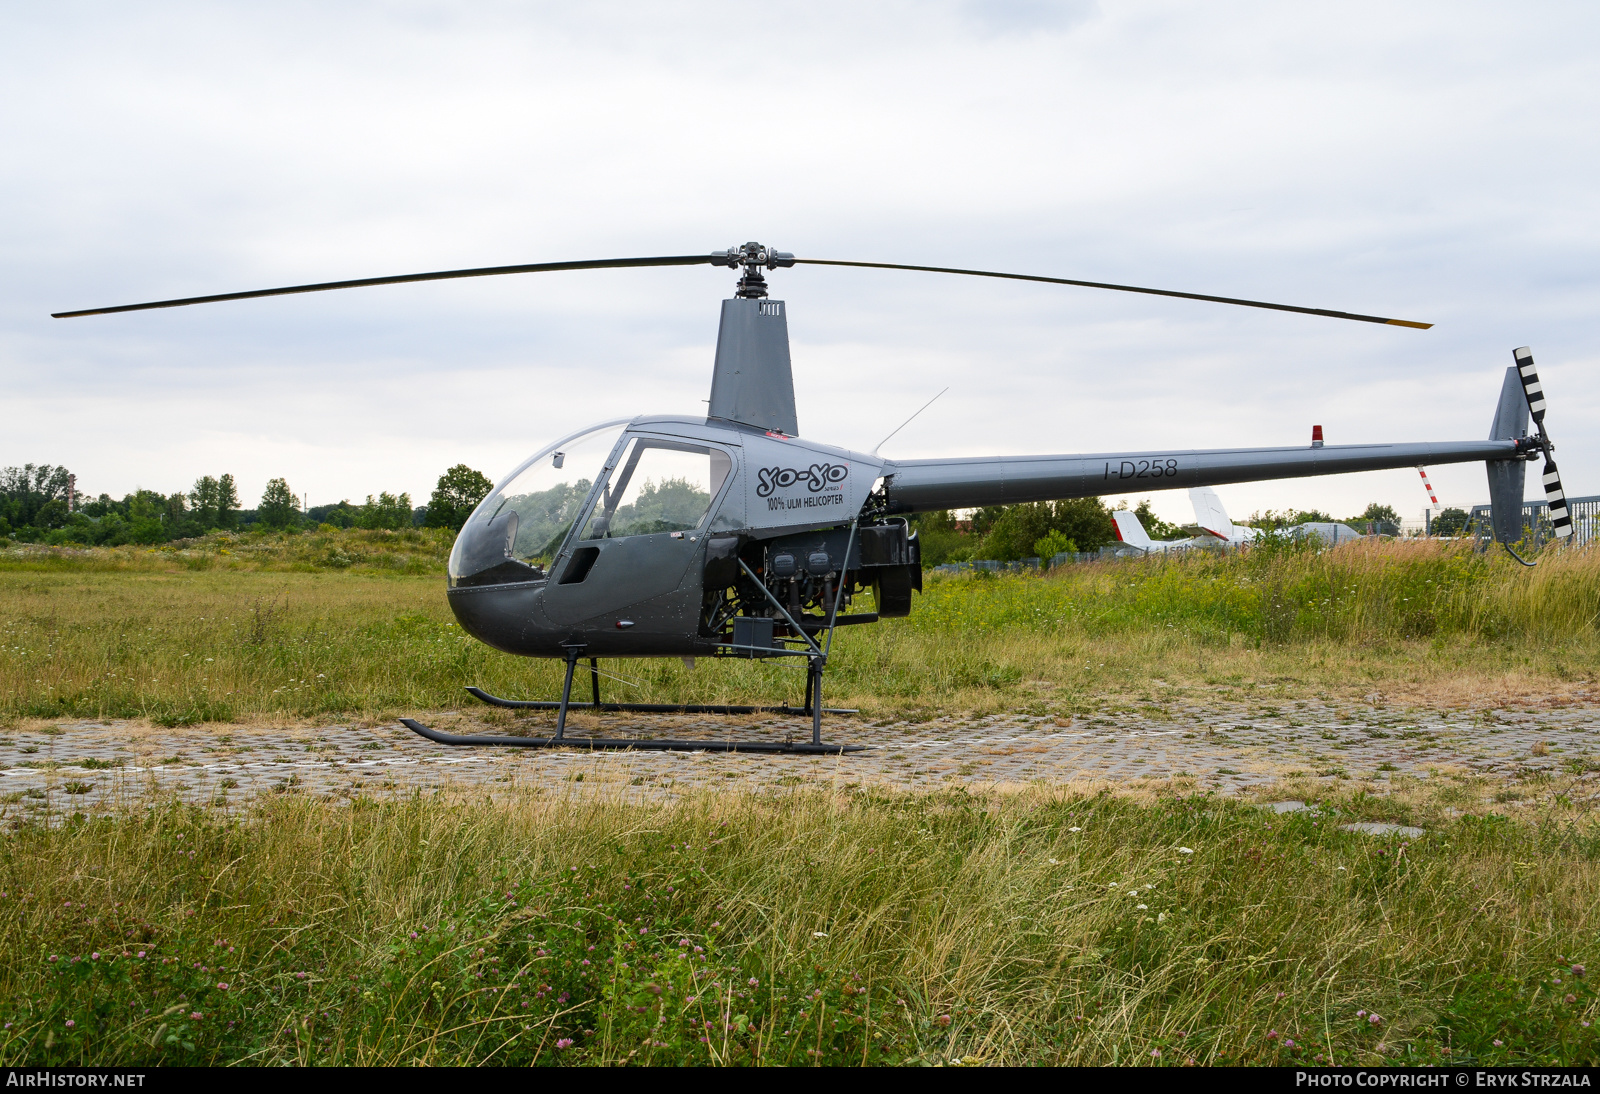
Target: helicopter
(731,535)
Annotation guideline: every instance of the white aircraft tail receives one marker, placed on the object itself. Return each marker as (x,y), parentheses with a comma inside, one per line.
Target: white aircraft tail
(1129,530)
(1209,513)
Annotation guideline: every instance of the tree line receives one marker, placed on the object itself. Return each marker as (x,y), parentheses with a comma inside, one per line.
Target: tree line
(1047,528)
(36,507)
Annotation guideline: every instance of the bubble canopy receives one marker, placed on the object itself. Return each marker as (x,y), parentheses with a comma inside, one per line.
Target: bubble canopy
(514,533)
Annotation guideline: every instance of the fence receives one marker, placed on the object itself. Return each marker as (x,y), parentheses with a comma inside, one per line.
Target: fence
(1536,521)
(1033,565)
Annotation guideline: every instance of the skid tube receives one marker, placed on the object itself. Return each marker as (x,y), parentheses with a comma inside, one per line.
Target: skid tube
(639,744)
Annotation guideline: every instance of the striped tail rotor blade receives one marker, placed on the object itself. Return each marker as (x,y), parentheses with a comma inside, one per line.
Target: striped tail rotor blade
(1530,383)
(1560,519)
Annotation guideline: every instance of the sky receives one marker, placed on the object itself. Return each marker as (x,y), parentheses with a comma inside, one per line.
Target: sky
(1430,161)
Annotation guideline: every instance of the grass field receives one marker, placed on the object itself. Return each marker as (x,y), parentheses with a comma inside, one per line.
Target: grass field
(356,624)
(809,928)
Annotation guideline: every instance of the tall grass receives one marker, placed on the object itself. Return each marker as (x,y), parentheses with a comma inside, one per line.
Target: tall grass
(144,633)
(1360,592)
(808,928)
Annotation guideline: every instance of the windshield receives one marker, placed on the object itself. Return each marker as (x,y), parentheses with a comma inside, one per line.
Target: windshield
(515,532)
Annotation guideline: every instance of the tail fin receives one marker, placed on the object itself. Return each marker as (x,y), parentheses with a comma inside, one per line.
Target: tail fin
(1129,530)
(1507,478)
(1209,513)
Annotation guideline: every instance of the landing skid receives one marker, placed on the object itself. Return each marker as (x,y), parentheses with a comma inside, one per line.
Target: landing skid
(639,744)
(813,747)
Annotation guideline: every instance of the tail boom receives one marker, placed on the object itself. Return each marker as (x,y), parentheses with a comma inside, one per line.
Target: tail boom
(960,483)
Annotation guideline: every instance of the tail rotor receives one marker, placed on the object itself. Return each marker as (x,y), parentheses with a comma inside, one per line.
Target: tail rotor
(1555,496)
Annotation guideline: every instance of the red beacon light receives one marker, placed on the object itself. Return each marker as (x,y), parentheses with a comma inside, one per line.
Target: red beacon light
(1316,436)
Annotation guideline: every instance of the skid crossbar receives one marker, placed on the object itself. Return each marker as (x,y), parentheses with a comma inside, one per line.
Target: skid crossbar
(623,743)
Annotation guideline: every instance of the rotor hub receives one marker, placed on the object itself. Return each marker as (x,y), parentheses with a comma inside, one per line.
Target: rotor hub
(754,257)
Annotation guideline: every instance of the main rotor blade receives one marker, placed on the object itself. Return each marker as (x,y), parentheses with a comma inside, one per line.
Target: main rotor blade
(442,275)
(1122,288)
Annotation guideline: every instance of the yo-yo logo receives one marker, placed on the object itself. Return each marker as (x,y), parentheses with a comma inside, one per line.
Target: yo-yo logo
(819,476)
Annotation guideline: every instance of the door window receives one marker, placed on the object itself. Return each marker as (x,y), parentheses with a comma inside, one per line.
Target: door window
(658,486)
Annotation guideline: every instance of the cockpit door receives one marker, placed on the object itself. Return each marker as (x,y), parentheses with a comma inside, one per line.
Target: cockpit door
(646,526)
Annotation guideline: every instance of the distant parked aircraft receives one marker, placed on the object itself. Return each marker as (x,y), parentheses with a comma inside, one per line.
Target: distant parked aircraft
(1213,528)
(1211,519)
(1131,532)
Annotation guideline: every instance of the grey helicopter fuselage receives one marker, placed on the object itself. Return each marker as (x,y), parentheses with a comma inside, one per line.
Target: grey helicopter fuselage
(628,578)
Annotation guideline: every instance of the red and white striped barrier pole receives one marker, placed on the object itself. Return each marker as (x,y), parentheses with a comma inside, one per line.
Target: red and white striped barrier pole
(1423,471)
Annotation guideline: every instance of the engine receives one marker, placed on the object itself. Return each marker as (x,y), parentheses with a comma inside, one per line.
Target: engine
(808,573)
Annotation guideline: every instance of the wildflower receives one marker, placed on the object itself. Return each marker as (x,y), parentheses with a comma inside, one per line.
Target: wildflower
(1361,1014)
(1374,1019)
(943,1021)
(222,987)
(1272,1035)
(70,1023)
(1577,970)
(753,982)
(564,1042)
(1155,1053)
(95,956)
(195,1016)
(1278,996)
(1498,1043)
(1287,1043)
(1570,998)
(814,934)
(1144,907)
(1074,829)
(642,930)
(1186,850)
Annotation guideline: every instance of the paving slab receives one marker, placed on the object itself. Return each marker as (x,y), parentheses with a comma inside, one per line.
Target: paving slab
(1226,747)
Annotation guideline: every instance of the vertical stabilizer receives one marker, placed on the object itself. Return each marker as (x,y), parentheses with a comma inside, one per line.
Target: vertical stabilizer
(1507,478)
(1129,530)
(753,382)
(1209,513)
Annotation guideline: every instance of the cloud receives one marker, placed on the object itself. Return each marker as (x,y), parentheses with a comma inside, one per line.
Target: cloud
(1438,170)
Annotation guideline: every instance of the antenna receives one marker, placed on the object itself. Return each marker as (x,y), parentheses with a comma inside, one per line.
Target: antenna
(907,422)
